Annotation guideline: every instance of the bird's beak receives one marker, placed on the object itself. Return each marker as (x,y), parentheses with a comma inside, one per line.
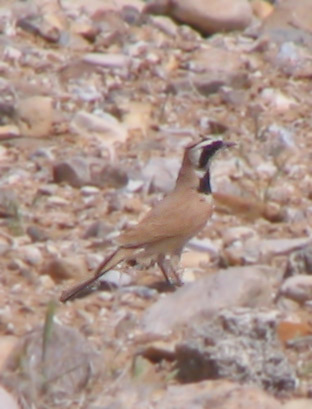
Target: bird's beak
(229,144)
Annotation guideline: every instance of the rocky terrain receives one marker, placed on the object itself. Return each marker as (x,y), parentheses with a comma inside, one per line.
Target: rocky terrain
(98,100)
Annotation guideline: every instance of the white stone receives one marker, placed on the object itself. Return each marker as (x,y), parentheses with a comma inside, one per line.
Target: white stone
(31,255)
(107,60)
(89,190)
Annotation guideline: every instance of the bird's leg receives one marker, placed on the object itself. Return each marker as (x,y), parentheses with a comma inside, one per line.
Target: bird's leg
(167,268)
(163,265)
(174,264)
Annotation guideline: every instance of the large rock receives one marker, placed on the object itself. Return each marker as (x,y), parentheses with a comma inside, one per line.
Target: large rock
(239,344)
(206,16)
(237,286)
(49,363)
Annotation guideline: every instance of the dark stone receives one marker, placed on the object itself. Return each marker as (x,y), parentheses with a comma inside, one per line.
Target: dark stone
(36,234)
(240,345)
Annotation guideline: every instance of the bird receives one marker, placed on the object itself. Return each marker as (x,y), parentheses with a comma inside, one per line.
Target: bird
(172,222)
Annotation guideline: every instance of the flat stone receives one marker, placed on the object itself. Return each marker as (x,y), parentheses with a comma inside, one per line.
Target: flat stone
(107,60)
(207,17)
(237,286)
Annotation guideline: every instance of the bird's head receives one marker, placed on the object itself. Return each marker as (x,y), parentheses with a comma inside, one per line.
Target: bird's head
(194,171)
(201,153)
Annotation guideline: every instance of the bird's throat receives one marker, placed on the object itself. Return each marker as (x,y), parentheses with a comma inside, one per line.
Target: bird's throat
(204,183)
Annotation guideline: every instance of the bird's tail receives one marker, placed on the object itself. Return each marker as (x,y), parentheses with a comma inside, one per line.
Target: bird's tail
(107,264)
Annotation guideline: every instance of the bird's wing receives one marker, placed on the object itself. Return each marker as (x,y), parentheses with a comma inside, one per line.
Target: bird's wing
(174,216)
